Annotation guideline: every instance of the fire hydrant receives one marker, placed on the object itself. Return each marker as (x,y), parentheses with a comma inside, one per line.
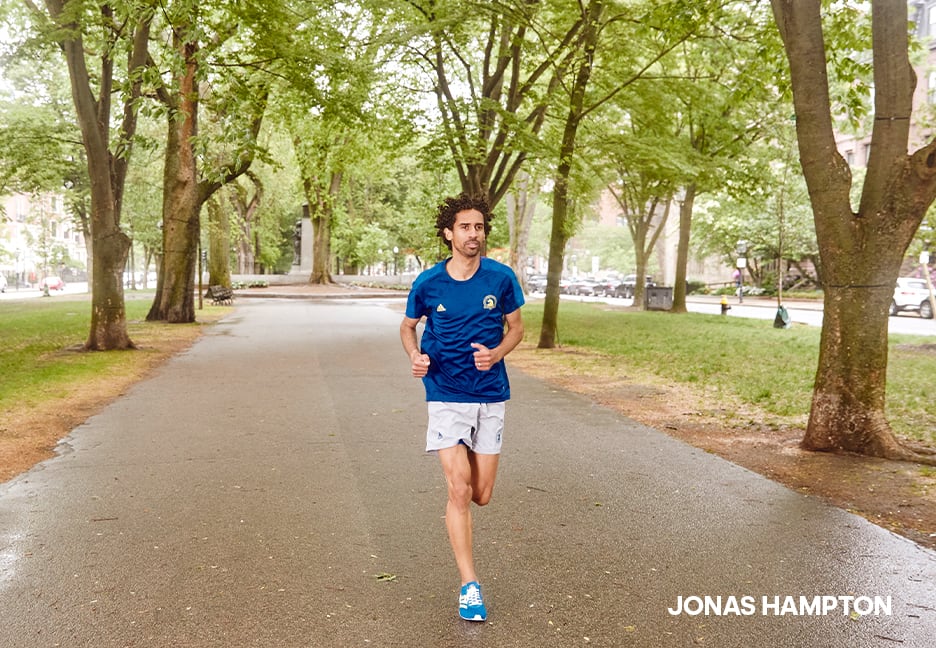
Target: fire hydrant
(724,305)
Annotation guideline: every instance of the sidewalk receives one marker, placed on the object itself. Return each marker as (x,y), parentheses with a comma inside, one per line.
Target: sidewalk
(268,488)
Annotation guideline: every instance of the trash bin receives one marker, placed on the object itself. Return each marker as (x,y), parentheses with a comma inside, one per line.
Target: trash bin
(658,298)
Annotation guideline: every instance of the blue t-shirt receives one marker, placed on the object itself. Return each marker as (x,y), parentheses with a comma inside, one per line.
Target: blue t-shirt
(457,314)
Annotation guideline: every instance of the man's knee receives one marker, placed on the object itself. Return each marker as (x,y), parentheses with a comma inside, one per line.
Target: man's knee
(460,493)
(482,496)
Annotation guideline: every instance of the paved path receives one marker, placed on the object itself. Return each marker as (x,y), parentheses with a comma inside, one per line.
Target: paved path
(267,488)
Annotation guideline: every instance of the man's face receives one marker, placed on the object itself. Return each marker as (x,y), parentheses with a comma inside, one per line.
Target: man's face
(467,234)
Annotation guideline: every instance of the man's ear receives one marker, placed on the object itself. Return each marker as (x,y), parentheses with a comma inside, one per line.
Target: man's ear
(448,234)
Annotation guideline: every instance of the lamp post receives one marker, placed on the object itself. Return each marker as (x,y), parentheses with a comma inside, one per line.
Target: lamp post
(741,265)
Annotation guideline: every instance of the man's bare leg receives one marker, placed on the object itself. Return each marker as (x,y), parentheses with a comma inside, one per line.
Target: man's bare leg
(457,469)
(483,474)
(470,478)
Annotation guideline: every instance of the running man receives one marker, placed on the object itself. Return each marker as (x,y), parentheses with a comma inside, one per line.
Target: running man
(472,308)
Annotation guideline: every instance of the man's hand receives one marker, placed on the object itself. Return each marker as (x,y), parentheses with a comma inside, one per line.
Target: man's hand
(420,364)
(483,357)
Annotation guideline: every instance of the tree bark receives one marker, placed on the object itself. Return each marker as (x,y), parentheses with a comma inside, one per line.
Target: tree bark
(861,252)
(560,228)
(321,211)
(219,243)
(682,250)
(521,206)
(248,245)
(106,170)
(175,288)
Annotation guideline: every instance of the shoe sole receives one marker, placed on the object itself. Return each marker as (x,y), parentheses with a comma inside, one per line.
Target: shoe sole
(476,617)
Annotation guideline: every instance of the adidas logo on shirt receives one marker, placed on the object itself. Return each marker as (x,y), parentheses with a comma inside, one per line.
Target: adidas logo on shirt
(440,308)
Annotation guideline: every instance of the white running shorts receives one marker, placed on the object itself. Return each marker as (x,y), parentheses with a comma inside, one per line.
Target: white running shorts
(477,425)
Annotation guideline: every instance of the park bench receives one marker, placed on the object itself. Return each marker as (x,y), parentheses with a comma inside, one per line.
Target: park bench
(220,295)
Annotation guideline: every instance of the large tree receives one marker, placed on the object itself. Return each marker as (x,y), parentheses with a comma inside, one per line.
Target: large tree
(335,109)
(196,165)
(117,35)
(618,46)
(726,96)
(862,249)
(562,196)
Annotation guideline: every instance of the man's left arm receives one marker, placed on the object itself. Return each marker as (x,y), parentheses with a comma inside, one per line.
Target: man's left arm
(512,336)
(486,358)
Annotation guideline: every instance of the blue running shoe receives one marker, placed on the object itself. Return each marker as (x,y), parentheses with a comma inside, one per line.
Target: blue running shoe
(470,603)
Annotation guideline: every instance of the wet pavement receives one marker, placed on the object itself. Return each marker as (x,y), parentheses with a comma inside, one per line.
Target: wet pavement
(268,488)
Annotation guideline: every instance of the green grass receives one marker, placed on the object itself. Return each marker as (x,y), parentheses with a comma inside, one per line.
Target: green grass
(772,369)
(40,342)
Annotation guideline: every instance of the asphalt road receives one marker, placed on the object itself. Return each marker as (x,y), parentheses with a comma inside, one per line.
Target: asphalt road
(268,488)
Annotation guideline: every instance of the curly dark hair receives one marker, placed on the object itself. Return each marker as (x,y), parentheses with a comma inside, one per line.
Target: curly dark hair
(453,205)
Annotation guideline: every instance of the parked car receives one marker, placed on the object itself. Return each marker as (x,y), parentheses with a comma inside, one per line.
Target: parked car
(536,283)
(911,294)
(605,287)
(584,287)
(626,287)
(53,283)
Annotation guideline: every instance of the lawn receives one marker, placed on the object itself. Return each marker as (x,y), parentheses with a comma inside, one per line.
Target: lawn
(41,339)
(773,369)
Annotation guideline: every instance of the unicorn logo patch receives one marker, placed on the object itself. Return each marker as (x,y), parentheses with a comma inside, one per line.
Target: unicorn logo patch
(490,302)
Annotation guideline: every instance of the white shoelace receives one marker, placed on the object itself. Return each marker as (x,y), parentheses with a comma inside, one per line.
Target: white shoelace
(473,595)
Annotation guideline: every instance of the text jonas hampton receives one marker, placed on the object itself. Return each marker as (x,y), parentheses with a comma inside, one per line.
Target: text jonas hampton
(781,605)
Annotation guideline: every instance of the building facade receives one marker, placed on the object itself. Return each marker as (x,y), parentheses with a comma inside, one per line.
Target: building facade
(38,238)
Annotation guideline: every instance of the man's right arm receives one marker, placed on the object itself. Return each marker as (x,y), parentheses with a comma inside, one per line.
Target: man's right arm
(418,360)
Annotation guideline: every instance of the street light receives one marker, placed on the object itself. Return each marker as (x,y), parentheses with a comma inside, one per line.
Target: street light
(742,247)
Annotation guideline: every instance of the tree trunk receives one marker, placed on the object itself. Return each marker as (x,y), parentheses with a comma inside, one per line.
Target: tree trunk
(848,400)
(321,211)
(560,227)
(321,247)
(682,250)
(108,313)
(219,243)
(549,332)
(248,238)
(861,252)
(521,206)
(641,257)
(175,289)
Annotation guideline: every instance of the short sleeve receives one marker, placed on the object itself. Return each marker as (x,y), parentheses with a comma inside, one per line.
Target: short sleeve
(513,297)
(415,308)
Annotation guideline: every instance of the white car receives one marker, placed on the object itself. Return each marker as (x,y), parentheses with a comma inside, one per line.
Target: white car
(911,294)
